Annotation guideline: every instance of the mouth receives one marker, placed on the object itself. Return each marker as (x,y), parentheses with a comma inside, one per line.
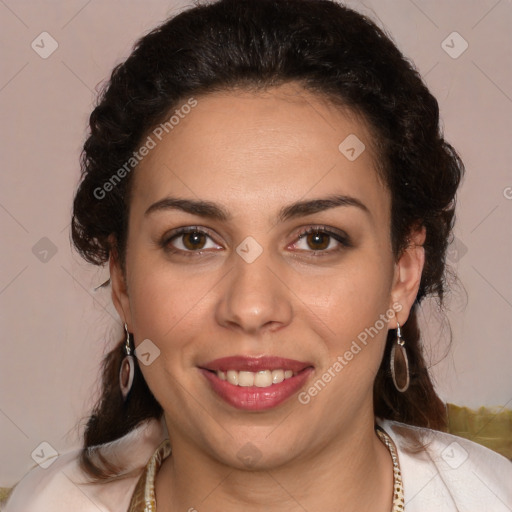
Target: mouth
(261,379)
(256,383)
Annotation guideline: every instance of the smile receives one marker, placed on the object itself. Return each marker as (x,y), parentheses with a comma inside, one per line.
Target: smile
(256,383)
(261,379)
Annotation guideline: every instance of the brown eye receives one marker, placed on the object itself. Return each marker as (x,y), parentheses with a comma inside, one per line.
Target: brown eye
(318,241)
(194,240)
(188,241)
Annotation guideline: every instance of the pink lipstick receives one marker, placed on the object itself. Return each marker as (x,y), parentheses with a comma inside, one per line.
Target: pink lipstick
(256,383)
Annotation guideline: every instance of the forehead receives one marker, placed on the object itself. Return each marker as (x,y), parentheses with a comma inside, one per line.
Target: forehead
(238,148)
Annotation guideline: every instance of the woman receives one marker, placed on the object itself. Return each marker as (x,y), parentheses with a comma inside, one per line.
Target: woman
(269,185)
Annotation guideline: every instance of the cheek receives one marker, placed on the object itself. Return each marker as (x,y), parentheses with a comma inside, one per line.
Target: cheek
(168,303)
(168,308)
(352,297)
(355,313)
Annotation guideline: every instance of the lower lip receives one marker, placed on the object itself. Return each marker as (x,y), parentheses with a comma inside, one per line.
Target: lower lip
(254,398)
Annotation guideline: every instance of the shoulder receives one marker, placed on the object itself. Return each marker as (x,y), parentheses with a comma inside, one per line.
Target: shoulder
(444,472)
(63,486)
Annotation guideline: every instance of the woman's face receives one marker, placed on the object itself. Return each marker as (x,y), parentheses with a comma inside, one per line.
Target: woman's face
(245,283)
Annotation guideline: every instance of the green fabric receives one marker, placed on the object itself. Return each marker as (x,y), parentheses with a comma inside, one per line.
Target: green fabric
(488,426)
(4,493)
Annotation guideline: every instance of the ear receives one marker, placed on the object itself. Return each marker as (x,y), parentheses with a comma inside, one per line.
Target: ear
(119,288)
(408,271)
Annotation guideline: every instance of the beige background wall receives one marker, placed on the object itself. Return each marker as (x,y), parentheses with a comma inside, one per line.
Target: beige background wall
(55,327)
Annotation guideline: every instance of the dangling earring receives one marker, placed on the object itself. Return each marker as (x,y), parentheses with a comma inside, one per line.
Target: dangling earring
(127,369)
(399,363)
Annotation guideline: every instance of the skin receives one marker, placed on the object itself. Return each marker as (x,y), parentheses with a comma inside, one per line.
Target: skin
(254,153)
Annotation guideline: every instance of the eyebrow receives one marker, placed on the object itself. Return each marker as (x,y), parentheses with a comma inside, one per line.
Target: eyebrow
(211,210)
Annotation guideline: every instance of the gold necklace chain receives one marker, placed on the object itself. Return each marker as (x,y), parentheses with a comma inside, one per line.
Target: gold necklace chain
(143,498)
(398,488)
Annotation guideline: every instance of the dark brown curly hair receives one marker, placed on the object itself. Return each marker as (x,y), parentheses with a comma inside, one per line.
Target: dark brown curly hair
(323,47)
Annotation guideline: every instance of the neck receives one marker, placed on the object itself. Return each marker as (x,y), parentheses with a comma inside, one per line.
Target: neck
(352,472)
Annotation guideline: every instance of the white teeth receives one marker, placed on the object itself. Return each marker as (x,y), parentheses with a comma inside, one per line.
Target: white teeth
(261,379)
(277,376)
(245,379)
(232,377)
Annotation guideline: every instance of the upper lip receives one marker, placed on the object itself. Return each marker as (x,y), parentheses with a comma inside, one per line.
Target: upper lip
(255,364)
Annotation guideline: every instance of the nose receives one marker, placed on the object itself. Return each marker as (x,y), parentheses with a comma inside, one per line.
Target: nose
(253,299)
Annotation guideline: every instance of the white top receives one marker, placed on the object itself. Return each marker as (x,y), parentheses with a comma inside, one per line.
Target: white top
(450,474)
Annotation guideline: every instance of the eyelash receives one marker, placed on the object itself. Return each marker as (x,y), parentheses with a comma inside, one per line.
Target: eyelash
(341,237)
